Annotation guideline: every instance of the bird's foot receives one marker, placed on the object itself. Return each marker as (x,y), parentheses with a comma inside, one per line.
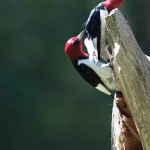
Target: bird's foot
(111,61)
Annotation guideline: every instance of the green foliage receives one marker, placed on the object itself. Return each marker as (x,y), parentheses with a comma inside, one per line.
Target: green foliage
(44,103)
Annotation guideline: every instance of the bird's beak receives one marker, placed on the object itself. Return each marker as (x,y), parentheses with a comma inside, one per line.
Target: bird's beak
(79,37)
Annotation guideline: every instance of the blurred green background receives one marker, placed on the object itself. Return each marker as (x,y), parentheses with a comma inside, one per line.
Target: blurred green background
(44,103)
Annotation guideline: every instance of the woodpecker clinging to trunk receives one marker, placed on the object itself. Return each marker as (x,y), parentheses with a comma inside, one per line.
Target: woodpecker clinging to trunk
(95,27)
(98,74)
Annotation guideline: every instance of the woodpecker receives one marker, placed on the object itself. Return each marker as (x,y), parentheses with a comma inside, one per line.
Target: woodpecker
(98,74)
(95,27)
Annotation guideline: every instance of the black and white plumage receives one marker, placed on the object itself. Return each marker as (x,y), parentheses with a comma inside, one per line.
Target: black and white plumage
(95,28)
(97,74)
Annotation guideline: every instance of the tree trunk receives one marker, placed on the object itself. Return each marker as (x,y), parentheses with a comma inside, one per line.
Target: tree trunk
(131,112)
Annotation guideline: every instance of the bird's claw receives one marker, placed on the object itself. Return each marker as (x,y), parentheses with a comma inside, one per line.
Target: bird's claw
(111,61)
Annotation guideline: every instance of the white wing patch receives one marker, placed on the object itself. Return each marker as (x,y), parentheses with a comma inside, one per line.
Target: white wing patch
(100,87)
(101,69)
(98,71)
(104,72)
(90,64)
(103,14)
(103,46)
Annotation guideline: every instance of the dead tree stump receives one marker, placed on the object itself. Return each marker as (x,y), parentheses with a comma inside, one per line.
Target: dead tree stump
(131,110)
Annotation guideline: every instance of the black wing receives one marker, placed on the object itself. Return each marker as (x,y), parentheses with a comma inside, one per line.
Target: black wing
(88,74)
(93,24)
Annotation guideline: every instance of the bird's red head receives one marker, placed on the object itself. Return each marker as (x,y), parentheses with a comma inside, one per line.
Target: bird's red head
(112,4)
(73,47)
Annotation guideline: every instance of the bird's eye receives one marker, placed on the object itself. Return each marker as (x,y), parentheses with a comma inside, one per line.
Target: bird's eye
(75,42)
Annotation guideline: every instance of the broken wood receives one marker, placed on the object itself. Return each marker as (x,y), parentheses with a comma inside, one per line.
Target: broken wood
(131,110)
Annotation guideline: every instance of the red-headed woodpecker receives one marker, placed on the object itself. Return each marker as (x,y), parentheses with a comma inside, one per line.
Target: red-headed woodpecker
(95,27)
(97,74)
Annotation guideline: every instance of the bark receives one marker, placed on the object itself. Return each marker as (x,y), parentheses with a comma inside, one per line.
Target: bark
(131,111)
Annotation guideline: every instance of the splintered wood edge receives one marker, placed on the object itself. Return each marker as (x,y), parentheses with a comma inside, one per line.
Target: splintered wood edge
(120,36)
